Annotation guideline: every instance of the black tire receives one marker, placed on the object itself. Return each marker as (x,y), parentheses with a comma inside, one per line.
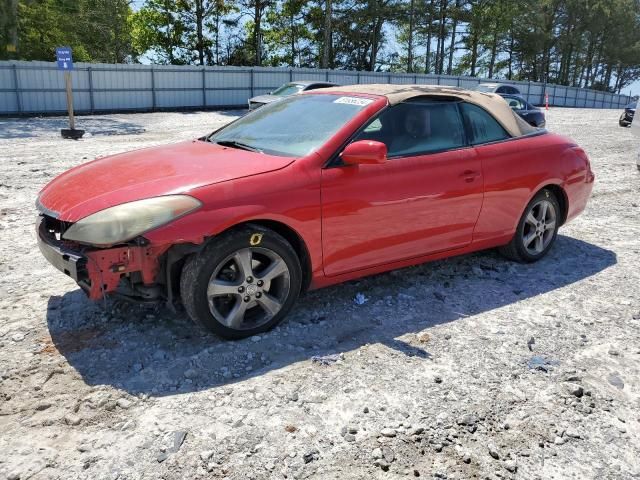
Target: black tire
(516,249)
(199,268)
(623,121)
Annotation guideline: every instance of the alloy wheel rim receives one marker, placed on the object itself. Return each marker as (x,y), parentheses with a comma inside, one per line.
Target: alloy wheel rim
(248,288)
(539,227)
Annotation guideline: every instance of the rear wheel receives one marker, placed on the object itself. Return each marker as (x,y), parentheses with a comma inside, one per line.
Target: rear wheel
(537,229)
(243,283)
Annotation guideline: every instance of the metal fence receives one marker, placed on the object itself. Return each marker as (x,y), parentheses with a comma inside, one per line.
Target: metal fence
(31,88)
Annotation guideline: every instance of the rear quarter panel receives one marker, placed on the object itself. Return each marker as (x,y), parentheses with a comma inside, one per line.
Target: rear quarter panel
(515,170)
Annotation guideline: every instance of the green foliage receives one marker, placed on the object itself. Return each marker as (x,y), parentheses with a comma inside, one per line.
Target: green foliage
(96,30)
(158,30)
(589,43)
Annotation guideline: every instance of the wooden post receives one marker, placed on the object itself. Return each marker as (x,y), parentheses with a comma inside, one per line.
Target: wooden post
(67,81)
(70,132)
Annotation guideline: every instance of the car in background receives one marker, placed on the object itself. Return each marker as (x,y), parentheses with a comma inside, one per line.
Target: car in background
(635,130)
(497,88)
(529,113)
(286,90)
(627,116)
(304,193)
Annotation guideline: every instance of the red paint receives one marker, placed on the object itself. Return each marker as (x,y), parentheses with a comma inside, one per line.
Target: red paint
(106,267)
(150,172)
(403,208)
(354,220)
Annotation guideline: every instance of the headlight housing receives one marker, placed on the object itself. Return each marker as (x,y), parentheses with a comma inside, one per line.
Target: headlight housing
(126,221)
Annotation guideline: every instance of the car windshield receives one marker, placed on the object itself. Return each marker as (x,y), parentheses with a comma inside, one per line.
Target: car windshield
(632,105)
(287,89)
(293,127)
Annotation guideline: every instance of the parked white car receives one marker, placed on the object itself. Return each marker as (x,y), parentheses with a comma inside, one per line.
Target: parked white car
(497,88)
(286,90)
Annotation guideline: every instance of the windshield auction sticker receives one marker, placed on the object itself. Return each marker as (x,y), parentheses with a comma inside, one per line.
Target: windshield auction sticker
(361,102)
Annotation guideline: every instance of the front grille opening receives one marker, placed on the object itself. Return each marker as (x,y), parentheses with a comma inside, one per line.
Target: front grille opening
(55,226)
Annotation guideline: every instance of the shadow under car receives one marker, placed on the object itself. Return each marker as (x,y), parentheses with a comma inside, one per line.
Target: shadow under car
(159,353)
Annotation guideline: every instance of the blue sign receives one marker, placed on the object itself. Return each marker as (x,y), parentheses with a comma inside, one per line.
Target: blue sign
(64,59)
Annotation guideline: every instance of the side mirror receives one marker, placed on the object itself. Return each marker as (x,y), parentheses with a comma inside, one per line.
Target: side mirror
(366,152)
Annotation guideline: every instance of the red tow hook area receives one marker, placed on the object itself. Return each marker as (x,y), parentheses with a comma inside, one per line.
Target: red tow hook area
(107,267)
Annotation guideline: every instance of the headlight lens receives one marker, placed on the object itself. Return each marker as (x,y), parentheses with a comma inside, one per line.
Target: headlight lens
(124,222)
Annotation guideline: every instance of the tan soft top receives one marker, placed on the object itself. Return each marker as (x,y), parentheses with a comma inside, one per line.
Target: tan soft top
(491,102)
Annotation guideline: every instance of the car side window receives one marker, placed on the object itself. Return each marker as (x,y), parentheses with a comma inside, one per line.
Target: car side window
(502,90)
(516,104)
(416,128)
(482,126)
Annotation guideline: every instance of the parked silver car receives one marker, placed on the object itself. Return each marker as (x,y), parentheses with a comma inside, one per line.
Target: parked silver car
(497,88)
(635,129)
(291,88)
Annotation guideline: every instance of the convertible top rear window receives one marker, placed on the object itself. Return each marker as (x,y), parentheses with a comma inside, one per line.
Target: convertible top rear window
(295,126)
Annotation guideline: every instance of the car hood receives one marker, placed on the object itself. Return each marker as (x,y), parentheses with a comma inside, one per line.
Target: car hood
(150,172)
(265,98)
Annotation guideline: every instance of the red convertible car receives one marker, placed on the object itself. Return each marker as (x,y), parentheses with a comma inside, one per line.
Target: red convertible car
(310,191)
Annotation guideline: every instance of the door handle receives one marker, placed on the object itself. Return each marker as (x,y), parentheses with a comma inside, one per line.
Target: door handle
(470,175)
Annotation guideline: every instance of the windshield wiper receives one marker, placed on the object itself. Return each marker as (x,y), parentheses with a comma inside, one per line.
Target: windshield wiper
(234,144)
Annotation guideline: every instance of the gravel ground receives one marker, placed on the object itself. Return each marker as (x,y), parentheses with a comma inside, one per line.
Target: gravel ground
(473,367)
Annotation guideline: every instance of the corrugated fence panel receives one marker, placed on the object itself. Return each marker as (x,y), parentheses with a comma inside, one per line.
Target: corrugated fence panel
(227,98)
(404,79)
(8,102)
(429,80)
(39,87)
(307,74)
(343,78)
(449,81)
(269,80)
(8,93)
(469,83)
(178,88)
(372,78)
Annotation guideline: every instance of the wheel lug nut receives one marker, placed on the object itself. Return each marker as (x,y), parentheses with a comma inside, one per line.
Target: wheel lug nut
(247,298)
(240,289)
(258,294)
(260,283)
(249,279)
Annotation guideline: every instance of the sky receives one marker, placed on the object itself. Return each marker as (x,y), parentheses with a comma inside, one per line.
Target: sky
(633,89)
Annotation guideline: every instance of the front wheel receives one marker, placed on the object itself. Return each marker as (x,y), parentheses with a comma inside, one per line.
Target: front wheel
(537,229)
(243,283)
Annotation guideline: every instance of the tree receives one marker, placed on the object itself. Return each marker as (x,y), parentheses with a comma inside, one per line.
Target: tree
(287,36)
(159,30)
(587,43)
(98,31)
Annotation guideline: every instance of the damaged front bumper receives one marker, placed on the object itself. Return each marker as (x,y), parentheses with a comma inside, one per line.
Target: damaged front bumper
(100,271)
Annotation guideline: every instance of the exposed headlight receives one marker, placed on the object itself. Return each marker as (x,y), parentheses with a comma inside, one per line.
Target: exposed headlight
(124,222)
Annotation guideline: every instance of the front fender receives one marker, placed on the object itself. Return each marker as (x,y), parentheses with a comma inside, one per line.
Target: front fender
(290,197)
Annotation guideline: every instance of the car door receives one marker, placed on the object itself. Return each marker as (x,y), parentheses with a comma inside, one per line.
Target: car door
(507,166)
(424,199)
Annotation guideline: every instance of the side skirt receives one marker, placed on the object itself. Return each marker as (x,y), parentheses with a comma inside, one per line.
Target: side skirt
(321,281)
